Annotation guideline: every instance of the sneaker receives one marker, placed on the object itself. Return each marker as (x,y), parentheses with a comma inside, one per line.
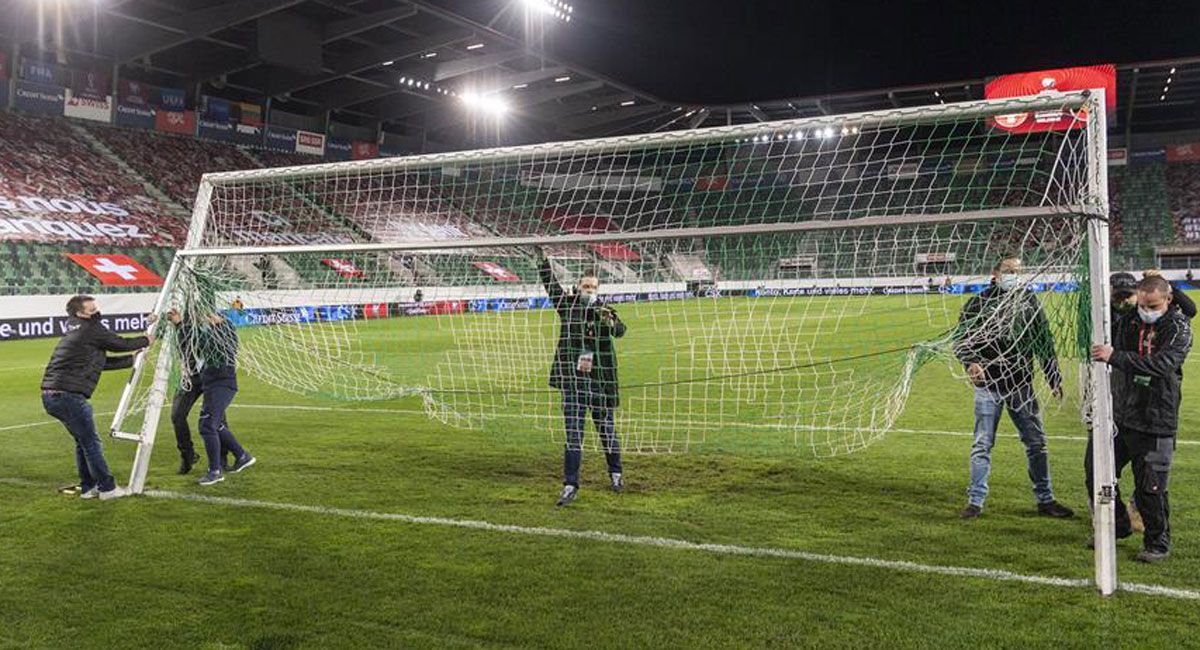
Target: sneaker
(616,482)
(242,463)
(211,478)
(1151,557)
(186,462)
(115,493)
(90,494)
(971,511)
(1135,517)
(1055,509)
(569,492)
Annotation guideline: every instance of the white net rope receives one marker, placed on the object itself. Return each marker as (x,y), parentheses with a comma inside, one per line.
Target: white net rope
(743,300)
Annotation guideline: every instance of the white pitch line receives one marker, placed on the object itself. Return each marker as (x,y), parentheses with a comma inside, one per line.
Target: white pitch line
(999,575)
(40,423)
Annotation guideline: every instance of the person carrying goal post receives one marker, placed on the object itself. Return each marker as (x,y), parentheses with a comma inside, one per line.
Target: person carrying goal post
(584,370)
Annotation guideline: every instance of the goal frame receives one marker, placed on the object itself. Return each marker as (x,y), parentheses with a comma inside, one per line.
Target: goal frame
(1096,211)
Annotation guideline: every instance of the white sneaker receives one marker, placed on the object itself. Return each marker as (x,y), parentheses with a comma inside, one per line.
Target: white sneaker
(115,493)
(568,494)
(90,494)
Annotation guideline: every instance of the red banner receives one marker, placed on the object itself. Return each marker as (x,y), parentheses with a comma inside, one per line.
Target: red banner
(182,122)
(498,273)
(1026,84)
(615,251)
(361,150)
(117,270)
(375,310)
(1188,152)
(344,268)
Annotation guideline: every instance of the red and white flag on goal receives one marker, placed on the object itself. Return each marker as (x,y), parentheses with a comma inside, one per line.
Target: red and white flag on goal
(344,268)
(117,270)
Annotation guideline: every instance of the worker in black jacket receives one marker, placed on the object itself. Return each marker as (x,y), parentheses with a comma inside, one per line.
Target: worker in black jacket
(1147,355)
(71,376)
(189,391)
(1122,302)
(213,344)
(585,371)
(1000,333)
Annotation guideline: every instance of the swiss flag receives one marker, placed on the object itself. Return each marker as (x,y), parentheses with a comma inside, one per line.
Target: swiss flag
(118,270)
(344,268)
(498,273)
(375,310)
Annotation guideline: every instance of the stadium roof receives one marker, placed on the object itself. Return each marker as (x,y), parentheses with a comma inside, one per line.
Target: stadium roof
(399,61)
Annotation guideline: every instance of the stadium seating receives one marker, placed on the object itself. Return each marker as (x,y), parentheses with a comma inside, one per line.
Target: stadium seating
(43,269)
(1183,182)
(1145,215)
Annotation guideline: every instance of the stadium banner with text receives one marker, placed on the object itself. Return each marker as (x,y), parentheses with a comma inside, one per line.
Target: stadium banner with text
(86,107)
(1024,84)
(363,150)
(1118,157)
(280,138)
(248,134)
(91,84)
(172,99)
(39,99)
(215,129)
(1148,156)
(48,74)
(1187,152)
(181,122)
(135,93)
(310,143)
(116,270)
(337,149)
(13,329)
(1190,227)
(141,117)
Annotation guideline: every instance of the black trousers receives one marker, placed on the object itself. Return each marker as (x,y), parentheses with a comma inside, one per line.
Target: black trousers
(1151,458)
(181,408)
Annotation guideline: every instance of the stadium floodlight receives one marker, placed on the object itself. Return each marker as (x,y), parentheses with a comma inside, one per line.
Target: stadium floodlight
(783,291)
(388,62)
(428,55)
(562,79)
(475,46)
(555,8)
(628,102)
(520,86)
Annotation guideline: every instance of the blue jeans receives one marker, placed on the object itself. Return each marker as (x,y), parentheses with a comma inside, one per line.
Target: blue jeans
(74,411)
(1022,407)
(216,435)
(576,404)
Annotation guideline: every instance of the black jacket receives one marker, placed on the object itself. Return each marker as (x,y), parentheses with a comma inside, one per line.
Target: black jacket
(1005,336)
(211,352)
(581,330)
(1147,362)
(80,356)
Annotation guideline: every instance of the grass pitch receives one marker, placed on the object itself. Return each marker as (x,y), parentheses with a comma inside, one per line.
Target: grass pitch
(303,550)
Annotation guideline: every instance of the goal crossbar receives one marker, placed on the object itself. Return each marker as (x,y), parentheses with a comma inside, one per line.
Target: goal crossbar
(658,235)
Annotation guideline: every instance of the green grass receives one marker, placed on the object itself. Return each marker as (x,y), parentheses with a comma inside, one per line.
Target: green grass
(159,573)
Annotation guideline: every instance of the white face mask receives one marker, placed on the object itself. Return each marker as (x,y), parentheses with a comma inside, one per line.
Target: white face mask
(1009,281)
(1150,317)
(588,295)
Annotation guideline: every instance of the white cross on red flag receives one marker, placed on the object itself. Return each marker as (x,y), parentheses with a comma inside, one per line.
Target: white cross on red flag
(117,270)
(498,273)
(344,268)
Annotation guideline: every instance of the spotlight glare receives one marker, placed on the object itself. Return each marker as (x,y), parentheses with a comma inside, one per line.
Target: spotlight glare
(429,55)
(628,102)
(520,86)
(475,46)
(561,79)
(388,62)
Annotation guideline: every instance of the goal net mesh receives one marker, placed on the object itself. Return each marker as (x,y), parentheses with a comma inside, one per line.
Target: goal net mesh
(776,283)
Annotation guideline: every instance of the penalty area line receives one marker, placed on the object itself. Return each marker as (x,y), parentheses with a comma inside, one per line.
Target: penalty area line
(996,575)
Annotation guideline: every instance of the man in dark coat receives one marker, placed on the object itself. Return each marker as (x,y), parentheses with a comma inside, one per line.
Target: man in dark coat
(1147,355)
(213,344)
(189,392)
(71,376)
(1001,332)
(585,371)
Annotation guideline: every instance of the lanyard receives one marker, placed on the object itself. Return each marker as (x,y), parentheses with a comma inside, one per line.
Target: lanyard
(1149,345)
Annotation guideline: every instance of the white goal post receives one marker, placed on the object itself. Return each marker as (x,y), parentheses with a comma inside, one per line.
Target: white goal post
(438,278)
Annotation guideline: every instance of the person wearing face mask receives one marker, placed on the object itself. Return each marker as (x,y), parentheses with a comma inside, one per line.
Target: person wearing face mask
(71,376)
(585,371)
(1000,333)
(1147,355)
(1122,301)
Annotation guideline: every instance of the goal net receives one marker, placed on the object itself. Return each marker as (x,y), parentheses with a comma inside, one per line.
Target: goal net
(777,284)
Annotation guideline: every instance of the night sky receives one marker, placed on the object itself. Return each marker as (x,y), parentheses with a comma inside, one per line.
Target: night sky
(704,51)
